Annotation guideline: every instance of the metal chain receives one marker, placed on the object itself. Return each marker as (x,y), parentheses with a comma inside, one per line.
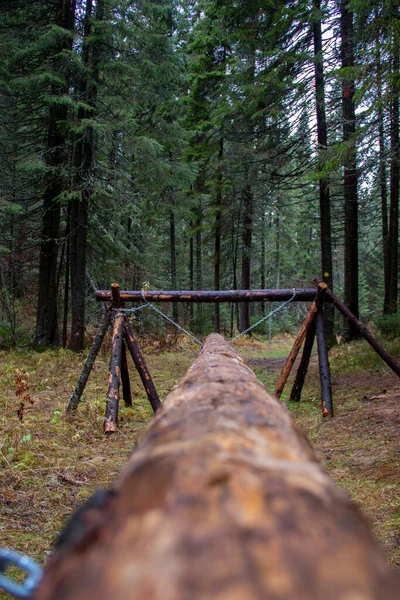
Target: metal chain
(8,558)
(273,312)
(131,310)
(172,321)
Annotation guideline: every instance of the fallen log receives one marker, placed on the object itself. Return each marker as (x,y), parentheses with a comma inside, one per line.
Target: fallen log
(222,499)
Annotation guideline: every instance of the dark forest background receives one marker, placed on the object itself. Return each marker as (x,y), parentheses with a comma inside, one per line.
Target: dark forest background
(196,145)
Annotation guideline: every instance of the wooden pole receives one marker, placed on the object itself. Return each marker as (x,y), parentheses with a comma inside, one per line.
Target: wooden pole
(312,311)
(302,295)
(75,397)
(115,296)
(298,383)
(110,424)
(324,370)
(364,331)
(141,367)
(126,384)
(223,498)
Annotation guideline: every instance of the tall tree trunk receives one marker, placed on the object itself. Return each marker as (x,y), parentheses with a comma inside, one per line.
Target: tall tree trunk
(277,269)
(199,267)
(394,180)
(66,278)
(191,271)
(350,170)
(84,161)
(247,232)
(382,175)
(322,139)
(172,240)
(217,246)
(263,249)
(56,157)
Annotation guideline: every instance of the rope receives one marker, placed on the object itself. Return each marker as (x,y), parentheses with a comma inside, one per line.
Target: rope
(271,314)
(190,335)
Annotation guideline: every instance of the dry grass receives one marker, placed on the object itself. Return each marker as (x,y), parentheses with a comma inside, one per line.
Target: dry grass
(50,463)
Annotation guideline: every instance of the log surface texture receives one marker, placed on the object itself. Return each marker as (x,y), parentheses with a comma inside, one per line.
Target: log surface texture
(223,499)
(302,295)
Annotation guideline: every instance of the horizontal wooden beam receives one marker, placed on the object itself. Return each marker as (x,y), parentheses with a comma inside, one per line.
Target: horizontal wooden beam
(302,295)
(223,498)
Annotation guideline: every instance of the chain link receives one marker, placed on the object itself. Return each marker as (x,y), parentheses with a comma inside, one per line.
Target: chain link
(8,558)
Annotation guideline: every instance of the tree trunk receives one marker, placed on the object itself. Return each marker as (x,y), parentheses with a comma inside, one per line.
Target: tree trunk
(172,241)
(350,170)
(394,181)
(262,265)
(246,254)
(382,175)
(191,271)
(84,163)
(322,139)
(223,498)
(199,267)
(56,156)
(217,246)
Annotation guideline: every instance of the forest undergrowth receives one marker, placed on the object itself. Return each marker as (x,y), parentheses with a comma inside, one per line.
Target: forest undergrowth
(49,463)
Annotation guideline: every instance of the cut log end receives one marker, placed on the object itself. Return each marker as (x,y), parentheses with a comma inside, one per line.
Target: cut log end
(109,426)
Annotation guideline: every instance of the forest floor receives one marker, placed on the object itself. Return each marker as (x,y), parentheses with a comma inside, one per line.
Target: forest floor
(50,463)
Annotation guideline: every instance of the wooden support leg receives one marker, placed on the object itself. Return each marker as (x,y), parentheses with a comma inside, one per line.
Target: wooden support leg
(126,384)
(141,367)
(111,419)
(75,397)
(324,370)
(297,388)
(312,311)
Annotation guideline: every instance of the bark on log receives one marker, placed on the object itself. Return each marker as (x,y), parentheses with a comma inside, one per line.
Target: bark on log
(302,295)
(366,334)
(141,367)
(110,424)
(125,379)
(312,311)
(115,295)
(295,394)
(324,370)
(75,397)
(223,499)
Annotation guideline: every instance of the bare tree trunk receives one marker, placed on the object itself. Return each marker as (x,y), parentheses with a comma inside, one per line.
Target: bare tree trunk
(322,139)
(394,181)
(382,174)
(223,498)
(217,246)
(246,254)
(56,156)
(172,240)
(350,170)
(199,268)
(191,272)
